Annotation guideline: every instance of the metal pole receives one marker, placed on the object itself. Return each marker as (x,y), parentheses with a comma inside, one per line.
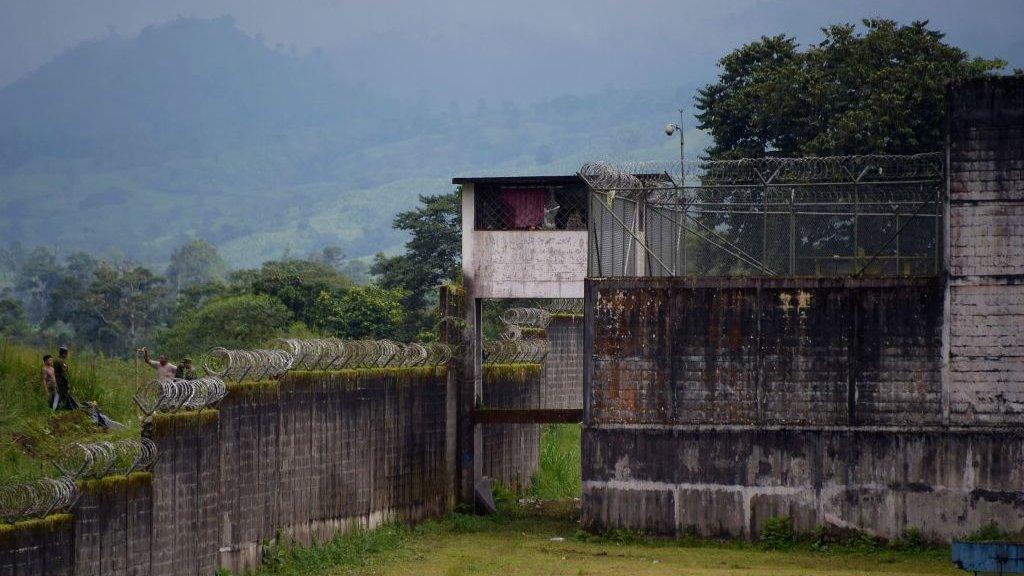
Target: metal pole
(898,270)
(856,219)
(792,233)
(682,156)
(764,227)
(938,229)
(682,185)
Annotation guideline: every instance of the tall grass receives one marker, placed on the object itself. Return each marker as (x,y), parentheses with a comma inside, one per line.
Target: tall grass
(558,472)
(31,434)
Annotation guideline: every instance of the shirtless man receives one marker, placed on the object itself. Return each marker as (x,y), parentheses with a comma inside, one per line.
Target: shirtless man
(49,382)
(164,369)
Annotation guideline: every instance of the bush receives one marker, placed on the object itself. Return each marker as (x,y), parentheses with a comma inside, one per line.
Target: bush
(777,533)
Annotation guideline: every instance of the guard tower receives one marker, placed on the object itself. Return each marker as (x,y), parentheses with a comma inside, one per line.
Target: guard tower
(522,237)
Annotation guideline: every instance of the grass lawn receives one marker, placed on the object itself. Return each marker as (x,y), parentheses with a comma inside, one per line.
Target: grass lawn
(511,546)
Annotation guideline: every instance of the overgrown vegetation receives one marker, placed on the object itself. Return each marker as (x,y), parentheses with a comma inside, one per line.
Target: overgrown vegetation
(31,434)
(558,472)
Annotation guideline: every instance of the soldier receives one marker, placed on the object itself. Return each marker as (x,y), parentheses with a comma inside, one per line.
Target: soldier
(61,373)
(185,370)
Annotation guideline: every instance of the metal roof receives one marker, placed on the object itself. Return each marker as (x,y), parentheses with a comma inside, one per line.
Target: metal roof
(563,180)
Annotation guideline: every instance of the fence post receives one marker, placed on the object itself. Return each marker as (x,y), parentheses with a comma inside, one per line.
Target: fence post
(792,232)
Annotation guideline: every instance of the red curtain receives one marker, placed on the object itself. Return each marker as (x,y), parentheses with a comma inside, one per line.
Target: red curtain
(525,207)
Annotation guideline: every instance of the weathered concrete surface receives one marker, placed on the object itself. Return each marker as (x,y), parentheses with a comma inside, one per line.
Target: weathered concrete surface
(529,264)
(321,452)
(986,251)
(562,370)
(511,451)
(766,351)
(113,521)
(38,547)
(186,493)
(727,480)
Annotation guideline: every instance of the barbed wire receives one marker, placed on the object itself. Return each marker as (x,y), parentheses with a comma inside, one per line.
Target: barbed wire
(173,394)
(630,175)
(239,365)
(530,317)
(99,459)
(335,354)
(529,351)
(565,306)
(39,498)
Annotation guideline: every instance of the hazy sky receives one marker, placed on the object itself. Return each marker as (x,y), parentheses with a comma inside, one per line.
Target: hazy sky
(522,50)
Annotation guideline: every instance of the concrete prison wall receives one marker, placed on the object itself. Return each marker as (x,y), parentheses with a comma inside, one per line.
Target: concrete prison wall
(562,370)
(716,403)
(986,250)
(306,457)
(876,404)
(511,451)
(319,452)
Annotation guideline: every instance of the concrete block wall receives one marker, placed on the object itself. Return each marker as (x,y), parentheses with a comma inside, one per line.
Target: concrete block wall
(986,251)
(38,547)
(726,481)
(756,351)
(186,493)
(318,453)
(250,472)
(562,370)
(311,456)
(511,451)
(113,521)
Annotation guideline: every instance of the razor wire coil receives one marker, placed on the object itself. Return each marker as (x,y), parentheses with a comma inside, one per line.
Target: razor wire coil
(99,459)
(173,394)
(36,499)
(335,354)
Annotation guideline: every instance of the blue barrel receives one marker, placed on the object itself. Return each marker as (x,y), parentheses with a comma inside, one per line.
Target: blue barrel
(989,557)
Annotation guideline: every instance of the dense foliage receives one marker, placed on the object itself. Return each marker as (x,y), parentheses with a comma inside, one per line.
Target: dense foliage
(880,91)
(432,256)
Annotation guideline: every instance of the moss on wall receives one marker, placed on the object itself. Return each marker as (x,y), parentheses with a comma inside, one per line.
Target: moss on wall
(254,388)
(518,373)
(114,481)
(355,376)
(165,422)
(52,523)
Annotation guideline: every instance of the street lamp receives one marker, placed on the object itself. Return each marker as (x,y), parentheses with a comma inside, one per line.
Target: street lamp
(670,129)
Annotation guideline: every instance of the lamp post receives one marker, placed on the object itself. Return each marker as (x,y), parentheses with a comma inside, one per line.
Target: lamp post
(670,129)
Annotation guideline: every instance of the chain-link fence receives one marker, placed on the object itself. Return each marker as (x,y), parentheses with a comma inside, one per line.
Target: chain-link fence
(530,208)
(835,216)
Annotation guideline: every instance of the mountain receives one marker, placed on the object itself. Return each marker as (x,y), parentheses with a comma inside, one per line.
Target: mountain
(194,128)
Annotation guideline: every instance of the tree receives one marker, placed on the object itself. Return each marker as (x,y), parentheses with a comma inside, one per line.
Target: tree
(432,256)
(241,321)
(126,303)
(38,274)
(296,283)
(882,91)
(195,262)
(361,313)
(12,319)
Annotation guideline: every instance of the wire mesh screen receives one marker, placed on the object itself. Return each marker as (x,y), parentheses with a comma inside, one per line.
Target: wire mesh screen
(531,208)
(838,216)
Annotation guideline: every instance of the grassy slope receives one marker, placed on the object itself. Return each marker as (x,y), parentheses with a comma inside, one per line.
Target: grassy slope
(31,434)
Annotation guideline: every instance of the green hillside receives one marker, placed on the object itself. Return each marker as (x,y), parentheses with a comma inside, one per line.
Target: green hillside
(193,128)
